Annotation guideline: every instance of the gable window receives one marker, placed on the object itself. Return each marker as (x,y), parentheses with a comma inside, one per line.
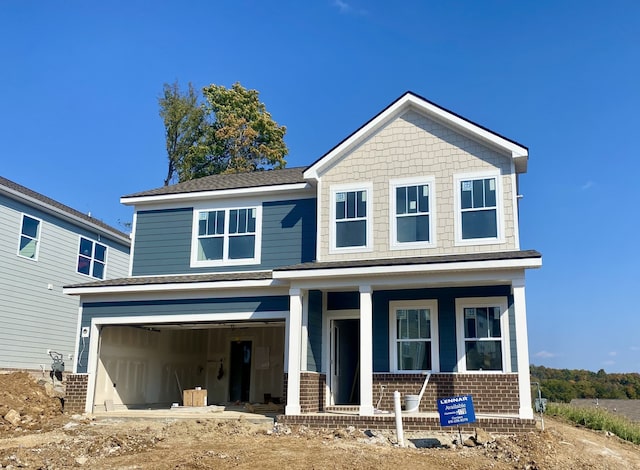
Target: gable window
(414,335)
(479,208)
(29,237)
(92,258)
(351,218)
(482,335)
(227,235)
(411,208)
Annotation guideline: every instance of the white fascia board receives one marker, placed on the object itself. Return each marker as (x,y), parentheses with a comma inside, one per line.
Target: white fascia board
(223,193)
(408,269)
(516,151)
(74,219)
(173,287)
(190,318)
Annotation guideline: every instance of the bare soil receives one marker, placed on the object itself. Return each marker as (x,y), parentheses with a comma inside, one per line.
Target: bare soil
(46,438)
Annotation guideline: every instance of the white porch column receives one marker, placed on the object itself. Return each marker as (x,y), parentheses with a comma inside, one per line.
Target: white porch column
(294,341)
(522,347)
(366,352)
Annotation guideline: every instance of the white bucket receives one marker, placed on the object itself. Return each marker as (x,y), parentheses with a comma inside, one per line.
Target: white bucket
(411,403)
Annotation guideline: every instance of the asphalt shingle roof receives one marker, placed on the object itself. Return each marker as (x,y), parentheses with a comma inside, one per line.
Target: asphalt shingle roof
(230,181)
(4,182)
(189,279)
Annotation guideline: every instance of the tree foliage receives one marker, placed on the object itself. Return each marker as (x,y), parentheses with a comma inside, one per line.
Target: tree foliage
(563,385)
(228,131)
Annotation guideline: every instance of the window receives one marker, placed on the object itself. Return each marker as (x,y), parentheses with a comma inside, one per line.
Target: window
(478,199)
(351,218)
(483,335)
(229,236)
(411,213)
(92,258)
(29,237)
(414,335)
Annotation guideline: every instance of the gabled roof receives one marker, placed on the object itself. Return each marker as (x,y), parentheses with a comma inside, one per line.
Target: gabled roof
(42,202)
(410,100)
(224,183)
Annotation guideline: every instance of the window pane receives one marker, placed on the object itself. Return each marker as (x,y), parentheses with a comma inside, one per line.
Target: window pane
(412,199)
(414,355)
(30,227)
(100,253)
(86,247)
(401,324)
(362,204)
(479,224)
(466,194)
(28,247)
(483,355)
(413,229)
(242,247)
(219,223)
(210,248)
(401,200)
(482,323)
(351,205)
(478,193)
(425,324)
(233,221)
(351,233)
(341,206)
(423,198)
(494,319)
(84,264)
(212,217)
(98,270)
(251,223)
(469,322)
(202,223)
(490,192)
(414,323)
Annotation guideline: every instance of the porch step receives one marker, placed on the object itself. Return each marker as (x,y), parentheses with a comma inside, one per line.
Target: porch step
(342,409)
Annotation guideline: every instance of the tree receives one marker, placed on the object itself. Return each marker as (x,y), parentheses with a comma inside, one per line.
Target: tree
(230,132)
(184,122)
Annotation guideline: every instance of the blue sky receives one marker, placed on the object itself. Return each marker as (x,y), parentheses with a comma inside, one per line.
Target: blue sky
(79,116)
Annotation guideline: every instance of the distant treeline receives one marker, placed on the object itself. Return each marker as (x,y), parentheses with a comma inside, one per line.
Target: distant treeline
(562,385)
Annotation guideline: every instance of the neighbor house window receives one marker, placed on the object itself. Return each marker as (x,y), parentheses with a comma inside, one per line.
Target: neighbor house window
(411,208)
(479,208)
(29,237)
(414,335)
(92,258)
(351,218)
(483,332)
(229,235)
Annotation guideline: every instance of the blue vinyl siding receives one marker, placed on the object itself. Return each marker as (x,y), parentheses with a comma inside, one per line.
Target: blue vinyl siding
(163,239)
(314,328)
(446,321)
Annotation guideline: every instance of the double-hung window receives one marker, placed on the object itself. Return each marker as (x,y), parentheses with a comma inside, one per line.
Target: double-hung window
(411,207)
(351,218)
(483,331)
(92,258)
(414,335)
(29,237)
(227,236)
(479,208)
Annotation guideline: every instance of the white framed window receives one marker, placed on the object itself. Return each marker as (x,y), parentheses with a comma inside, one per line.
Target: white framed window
(482,332)
(29,244)
(92,258)
(226,236)
(351,215)
(412,204)
(413,336)
(479,208)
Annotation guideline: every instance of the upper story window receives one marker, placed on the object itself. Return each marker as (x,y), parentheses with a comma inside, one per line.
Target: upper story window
(479,209)
(483,329)
(29,237)
(414,335)
(411,209)
(227,236)
(92,258)
(351,218)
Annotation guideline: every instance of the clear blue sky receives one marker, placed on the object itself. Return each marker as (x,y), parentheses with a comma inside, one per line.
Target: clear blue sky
(79,116)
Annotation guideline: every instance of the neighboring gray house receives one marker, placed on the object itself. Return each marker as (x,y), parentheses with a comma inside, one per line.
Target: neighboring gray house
(43,246)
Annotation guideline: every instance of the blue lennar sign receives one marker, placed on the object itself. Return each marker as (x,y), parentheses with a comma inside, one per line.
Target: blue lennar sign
(456,410)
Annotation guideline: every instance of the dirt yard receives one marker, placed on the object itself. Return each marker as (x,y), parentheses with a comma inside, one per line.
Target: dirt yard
(38,435)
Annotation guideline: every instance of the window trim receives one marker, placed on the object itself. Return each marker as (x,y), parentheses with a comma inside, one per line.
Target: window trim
(432,305)
(93,252)
(457,181)
(37,239)
(334,190)
(505,343)
(394,244)
(225,261)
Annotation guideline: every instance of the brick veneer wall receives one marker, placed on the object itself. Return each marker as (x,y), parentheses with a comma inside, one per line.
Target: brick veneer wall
(76,392)
(492,393)
(312,386)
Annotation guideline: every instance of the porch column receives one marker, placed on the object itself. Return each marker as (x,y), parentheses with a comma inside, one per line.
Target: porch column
(366,352)
(522,347)
(294,340)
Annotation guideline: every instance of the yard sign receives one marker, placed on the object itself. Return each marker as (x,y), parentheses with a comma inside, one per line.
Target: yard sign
(456,410)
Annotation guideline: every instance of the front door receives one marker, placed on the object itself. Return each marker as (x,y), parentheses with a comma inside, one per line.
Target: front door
(240,371)
(345,362)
